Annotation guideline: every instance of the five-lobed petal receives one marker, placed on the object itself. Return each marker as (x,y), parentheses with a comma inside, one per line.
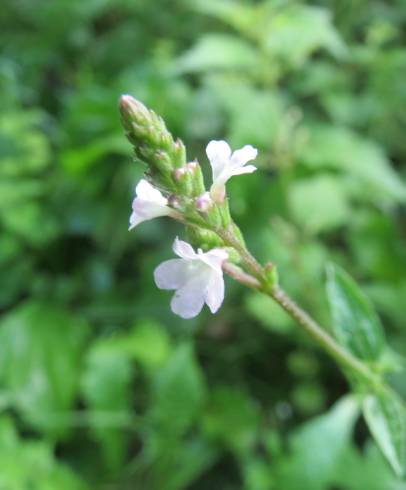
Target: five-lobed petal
(197,278)
(149,203)
(225,164)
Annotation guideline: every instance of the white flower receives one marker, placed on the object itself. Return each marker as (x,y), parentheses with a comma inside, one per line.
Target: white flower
(197,278)
(149,203)
(224,165)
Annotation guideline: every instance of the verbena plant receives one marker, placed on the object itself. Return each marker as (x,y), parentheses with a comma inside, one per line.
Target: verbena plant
(174,187)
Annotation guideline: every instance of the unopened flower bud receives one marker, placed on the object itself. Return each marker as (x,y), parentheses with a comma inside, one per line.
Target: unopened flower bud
(206,206)
(196,174)
(152,142)
(205,239)
(189,179)
(133,111)
(180,174)
(183,181)
(204,202)
(179,153)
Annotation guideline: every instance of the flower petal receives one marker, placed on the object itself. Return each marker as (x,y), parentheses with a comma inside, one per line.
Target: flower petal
(183,249)
(146,210)
(147,192)
(188,301)
(247,169)
(218,152)
(173,274)
(244,155)
(214,294)
(214,258)
(134,220)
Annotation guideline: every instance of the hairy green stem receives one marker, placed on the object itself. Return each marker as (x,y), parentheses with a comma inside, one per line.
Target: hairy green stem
(319,334)
(249,260)
(316,331)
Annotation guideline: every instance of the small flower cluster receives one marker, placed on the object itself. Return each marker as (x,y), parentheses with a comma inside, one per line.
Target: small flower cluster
(197,277)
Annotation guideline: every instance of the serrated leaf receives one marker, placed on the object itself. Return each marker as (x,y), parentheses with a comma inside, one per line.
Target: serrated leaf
(366,468)
(355,322)
(386,419)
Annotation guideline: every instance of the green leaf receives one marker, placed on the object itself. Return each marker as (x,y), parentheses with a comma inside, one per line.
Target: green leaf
(23,147)
(386,419)
(355,322)
(363,160)
(232,417)
(295,32)
(316,448)
(241,16)
(174,464)
(148,343)
(366,469)
(261,124)
(319,203)
(23,220)
(30,464)
(219,51)
(106,388)
(79,160)
(40,353)
(178,392)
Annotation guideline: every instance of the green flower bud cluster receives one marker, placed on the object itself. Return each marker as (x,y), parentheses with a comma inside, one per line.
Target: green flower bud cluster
(168,168)
(154,145)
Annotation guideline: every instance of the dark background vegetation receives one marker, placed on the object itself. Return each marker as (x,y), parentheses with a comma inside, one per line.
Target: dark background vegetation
(101,386)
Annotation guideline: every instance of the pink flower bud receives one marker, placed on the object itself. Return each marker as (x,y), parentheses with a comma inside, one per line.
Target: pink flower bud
(179,173)
(204,202)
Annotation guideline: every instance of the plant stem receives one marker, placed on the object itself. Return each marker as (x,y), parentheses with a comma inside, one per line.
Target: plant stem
(249,260)
(259,281)
(319,334)
(316,331)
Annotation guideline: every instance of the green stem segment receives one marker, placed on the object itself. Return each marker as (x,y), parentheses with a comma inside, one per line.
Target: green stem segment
(319,334)
(316,331)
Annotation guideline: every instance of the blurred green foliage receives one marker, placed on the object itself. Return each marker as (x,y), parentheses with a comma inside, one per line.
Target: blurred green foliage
(101,387)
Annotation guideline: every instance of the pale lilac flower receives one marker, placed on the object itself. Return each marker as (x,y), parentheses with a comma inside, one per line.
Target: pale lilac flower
(224,165)
(197,278)
(149,203)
